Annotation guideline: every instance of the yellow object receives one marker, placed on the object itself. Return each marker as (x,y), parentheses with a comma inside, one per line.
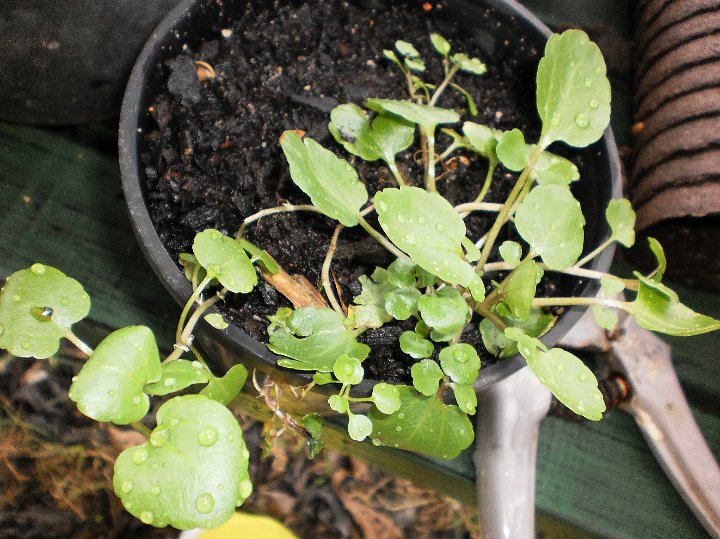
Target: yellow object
(244,525)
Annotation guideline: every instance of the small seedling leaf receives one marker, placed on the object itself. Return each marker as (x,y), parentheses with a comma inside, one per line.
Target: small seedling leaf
(469,65)
(658,308)
(339,403)
(408,50)
(415,64)
(482,139)
(428,229)
(314,338)
(573,92)
(401,303)
(423,424)
(611,286)
(330,182)
(216,320)
(551,221)
(348,370)
(415,346)
(534,325)
(370,303)
(226,388)
(605,317)
(553,169)
(426,376)
(37,306)
(260,256)
(322,378)
(314,424)
(178,375)
(440,44)
(518,291)
(445,311)
(401,273)
(426,116)
(359,427)
(465,397)
(224,258)
(511,252)
(386,398)
(110,386)
(621,218)
(192,472)
(659,253)
(460,362)
(390,55)
(512,150)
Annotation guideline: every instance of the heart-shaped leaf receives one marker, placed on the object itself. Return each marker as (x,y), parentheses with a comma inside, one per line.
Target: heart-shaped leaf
(551,221)
(621,218)
(512,150)
(573,92)
(428,229)
(426,376)
(460,362)
(178,375)
(348,370)
(440,44)
(330,182)
(111,385)
(225,259)
(323,339)
(193,471)
(415,346)
(226,388)
(359,427)
(445,311)
(423,424)
(386,398)
(37,306)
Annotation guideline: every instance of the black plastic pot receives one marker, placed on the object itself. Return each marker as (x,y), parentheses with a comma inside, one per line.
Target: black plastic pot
(503,22)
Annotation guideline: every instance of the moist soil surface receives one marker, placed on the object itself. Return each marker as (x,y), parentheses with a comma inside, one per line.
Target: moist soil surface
(213,158)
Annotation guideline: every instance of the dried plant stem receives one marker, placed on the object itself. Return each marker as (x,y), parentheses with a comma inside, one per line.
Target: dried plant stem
(269,211)
(327,286)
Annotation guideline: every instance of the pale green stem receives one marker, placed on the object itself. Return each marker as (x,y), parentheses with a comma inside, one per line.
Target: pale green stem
(141,428)
(175,354)
(192,322)
(505,212)
(199,357)
(439,90)
(430,169)
(396,172)
(469,207)
(588,257)
(630,284)
(269,211)
(84,348)
(188,305)
(382,240)
(557,302)
(492,165)
(495,319)
(327,286)
(450,149)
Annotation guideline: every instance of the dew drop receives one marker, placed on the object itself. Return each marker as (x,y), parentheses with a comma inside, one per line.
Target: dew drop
(381,206)
(410,239)
(597,397)
(204,503)
(128,506)
(16,298)
(155,491)
(461,432)
(398,428)
(582,120)
(400,219)
(147,517)
(421,220)
(207,436)
(245,488)
(573,64)
(583,377)
(588,82)
(111,393)
(230,437)
(214,236)
(598,70)
(174,422)
(580,408)
(37,269)
(460,357)
(140,456)
(555,120)
(594,104)
(560,368)
(401,415)
(439,227)
(169,382)
(64,300)
(25,345)
(563,244)
(137,399)
(126,487)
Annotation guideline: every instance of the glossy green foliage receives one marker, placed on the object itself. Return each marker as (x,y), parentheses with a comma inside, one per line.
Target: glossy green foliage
(382,139)
(553,169)
(621,218)
(226,388)
(415,345)
(426,116)
(445,311)
(369,309)
(401,303)
(460,362)
(178,375)
(511,253)
(216,320)
(426,375)
(259,256)
(659,253)
(386,398)
(224,259)
(658,308)
(536,324)
(313,338)
(551,221)
(359,427)
(348,370)
(573,92)
(428,229)
(37,306)
(564,374)
(511,150)
(330,182)
(470,65)
(465,397)
(518,291)
(111,385)
(192,472)
(339,403)
(440,44)
(482,139)
(611,286)
(423,424)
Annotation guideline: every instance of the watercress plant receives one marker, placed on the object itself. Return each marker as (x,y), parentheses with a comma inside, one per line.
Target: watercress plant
(193,469)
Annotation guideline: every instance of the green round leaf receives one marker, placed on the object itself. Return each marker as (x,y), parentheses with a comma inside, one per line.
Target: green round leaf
(359,427)
(466,398)
(111,385)
(621,218)
(224,258)
(339,403)
(482,139)
(401,304)
(573,92)
(322,378)
(415,64)
(37,306)
(511,252)
(192,473)
(551,221)
(216,320)
(348,370)
(445,311)
(415,346)
(440,44)
(178,375)
(401,273)
(512,150)
(469,65)
(426,375)
(460,362)
(386,398)
(225,389)
(406,49)
(553,169)
(423,424)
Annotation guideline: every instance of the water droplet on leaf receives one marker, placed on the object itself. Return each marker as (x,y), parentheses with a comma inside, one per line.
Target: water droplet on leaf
(137,399)
(421,220)
(398,428)
(401,415)
(126,487)
(16,298)
(25,345)
(147,517)
(245,488)
(582,120)
(155,491)
(37,269)
(382,206)
(204,503)
(169,382)
(64,300)
(174,422)
(555,120)
(583,377)
(207,436)
(140,456)
(594,104)
(588,82)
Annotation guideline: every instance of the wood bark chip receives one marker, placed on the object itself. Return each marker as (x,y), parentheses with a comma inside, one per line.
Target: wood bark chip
(296,288)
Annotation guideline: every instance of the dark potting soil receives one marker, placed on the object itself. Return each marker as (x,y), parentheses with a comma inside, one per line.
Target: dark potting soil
(214,158)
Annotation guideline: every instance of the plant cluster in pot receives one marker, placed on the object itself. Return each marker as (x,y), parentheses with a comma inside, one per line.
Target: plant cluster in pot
(472,217)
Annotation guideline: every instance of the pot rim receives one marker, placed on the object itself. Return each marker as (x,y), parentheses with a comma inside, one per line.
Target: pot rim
(233,338)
